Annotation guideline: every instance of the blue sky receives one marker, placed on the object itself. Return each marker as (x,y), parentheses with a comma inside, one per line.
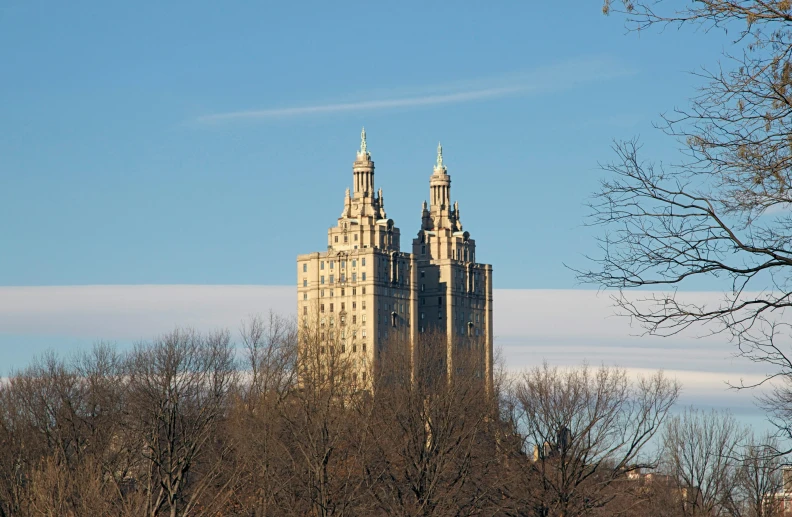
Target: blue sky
(208,144)
(120,163)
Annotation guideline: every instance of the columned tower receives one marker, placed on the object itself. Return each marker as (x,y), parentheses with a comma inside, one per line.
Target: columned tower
(362,290)
(455,292)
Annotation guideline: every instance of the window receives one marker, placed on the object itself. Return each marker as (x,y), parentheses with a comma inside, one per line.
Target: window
(343,305)
(354,305)
(363,302)
(342,291)
(354,319)
(331,307)
(305,296)
(331,278)
(343,319)
(423,287)
(363,277)
(331,293)
(323,322)
(439,298)
(305,310)
(363,261)
(422,315)
(423,250)
(321,265)
(321,292)
(354,263)
(354,277)
(321,279)
(305,268)
(364,344)
(354,291)
(355,236)
(305,282)
(332,263)
(364,374)
(354,348)
(336,238)
(343,277)
(423,274)
(343,349)
(343,263)
(423,301)
(321,350)
(346,239)
(321,308)
(364,319)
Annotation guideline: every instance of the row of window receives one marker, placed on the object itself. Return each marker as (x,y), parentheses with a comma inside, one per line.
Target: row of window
(342,264)
(342,278)
(346,238)
(343,348)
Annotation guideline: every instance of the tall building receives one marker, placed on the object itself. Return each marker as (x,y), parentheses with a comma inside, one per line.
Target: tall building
(363,290)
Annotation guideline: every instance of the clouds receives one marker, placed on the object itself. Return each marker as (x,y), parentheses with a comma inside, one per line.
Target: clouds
(560,76)
(563,327)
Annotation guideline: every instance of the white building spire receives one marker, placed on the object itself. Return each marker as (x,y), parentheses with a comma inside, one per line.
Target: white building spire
(363,154)
(439,168)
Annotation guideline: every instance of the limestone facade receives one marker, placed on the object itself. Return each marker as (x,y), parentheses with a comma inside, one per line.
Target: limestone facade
(363,290)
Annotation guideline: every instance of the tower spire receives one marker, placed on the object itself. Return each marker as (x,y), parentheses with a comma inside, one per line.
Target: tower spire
(439,168)
(363,154)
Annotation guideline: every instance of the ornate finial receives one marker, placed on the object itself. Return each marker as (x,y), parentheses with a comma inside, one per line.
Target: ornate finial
(439,168)
(363,153)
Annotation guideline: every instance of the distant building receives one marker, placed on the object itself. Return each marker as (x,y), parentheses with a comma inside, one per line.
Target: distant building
(365,290)
(781,502)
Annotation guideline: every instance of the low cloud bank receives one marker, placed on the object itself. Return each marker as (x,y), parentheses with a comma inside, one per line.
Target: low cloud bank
(563,327)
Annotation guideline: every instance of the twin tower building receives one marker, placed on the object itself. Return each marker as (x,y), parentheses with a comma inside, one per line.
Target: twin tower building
(368,292)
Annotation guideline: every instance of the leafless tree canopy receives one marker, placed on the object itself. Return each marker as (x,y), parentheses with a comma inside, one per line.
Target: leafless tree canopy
(284,423)
(722,211)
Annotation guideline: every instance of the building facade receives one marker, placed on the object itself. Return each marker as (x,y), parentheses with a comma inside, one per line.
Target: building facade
(364,290)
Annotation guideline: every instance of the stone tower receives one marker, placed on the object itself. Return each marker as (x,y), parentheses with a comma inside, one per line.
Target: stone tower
(363,289)
(455,292)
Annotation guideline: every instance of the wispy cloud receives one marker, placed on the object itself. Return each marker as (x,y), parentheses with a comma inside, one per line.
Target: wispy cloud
(561,76)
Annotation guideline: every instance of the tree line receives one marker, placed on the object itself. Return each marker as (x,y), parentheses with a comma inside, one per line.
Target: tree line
(194,424)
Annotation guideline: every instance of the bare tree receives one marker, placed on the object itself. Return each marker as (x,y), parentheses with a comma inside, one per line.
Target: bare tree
(701,451)
(432,451)
(722,211)
(759,477)
(320,435)
(583,430)
(178,390)
(264,478)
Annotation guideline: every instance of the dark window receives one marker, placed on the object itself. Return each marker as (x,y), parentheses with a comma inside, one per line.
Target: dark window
(331,307)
